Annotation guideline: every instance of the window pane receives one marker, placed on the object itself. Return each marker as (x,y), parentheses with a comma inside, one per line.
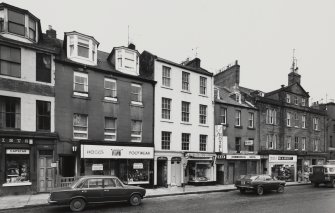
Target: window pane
(83,51)
(43,67)
(15,17)
(16,28)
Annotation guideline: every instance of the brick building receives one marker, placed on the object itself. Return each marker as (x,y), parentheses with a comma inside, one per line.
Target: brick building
(27,103)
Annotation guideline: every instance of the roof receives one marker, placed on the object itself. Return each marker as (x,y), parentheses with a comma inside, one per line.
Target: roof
(81,34)
(225,98)
(286,89)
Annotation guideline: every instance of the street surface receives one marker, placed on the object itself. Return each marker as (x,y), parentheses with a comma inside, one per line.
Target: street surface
(296,199)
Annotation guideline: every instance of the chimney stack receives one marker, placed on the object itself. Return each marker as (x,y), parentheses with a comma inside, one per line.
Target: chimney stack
(51,33)
(195,63)
(132,46)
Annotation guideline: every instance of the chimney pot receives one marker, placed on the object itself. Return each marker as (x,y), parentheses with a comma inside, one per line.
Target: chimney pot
(51,33)
(132,46)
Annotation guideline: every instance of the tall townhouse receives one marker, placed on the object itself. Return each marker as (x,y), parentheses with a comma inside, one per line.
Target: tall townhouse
(27,103)
(184,143)
(236,128)
(104,112)
(292,134)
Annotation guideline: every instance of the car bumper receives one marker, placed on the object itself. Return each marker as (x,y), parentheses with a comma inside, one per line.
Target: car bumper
(244,187)
(52,202)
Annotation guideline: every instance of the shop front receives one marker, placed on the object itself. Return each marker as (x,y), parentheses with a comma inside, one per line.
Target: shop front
(283,167)
(27,165)
(200,168)
(132,165)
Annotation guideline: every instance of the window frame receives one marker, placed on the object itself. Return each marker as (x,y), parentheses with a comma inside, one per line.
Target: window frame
(303,121)
(316,124)
(85,86)
(223,117)
(79,131)
(11,61)
(112,91)
(83,43)
(288,98)
(13,115)
(166,140)
(238,117)
(139,94)
(238,145)
(251,120)
(203,85)
(288,119)
(166,76)
(185,141)
(289,143)
(139,136)
(185,81)
(296,143)
(303,143)
(202,114)
(17,23)
(106,133)
(41,116)
(203,142)
(166,108)
(185,111)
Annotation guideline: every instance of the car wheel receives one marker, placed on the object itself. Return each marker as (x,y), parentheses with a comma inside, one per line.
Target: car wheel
(77,204)
(135,200)
(260,190)
(316,184)
(280,189)
(242,190)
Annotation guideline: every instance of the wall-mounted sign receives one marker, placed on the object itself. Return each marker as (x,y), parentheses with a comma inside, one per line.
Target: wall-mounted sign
(17,151)
(120,152)
(138,166)
(53,165)
(218,157)
(199,155)
(249,142)
(243,157)
(221,144)
(97,167)
(15,140)
(282,158)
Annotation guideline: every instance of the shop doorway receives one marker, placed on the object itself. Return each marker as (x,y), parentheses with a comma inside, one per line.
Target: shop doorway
(46,173)
(220,173)
(231,173)
(253,168)
(162,172)
(67,166)
(176,171)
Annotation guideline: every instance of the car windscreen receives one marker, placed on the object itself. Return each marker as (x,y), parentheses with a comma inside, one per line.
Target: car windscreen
(318,169)
(251,177)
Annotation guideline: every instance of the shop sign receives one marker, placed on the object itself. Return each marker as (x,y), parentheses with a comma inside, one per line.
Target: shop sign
(15,140)
(17,151)
(249,142)
(199,155)
(218,157)
(97,167)
(243,157)
(120,152)
(282,158)
(138,166)
(53,165)
(221,144)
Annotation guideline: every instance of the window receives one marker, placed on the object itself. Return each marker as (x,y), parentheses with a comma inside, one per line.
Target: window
(32,29)
(43,67)
(80,127)
(295,100)
(16,23)
(83,47)
(166,139)
(17,166)
(203,114)
(303,144)
(223,115)
(110,89)
(316,145)
(296,143)
(136,131)
(288,142)
(303,120)
(129,60)
(186,81)
(271,116)
(185,111)
(10,116)
(110,129)
(272,141)
(93,183)
(203,85)
(136,93)
(119,57)
(296,120)
(80,84)
(203,142)
(251,146)
(166,79)
(251,120)
(166,108)
(238,97)
(303,102)
(288,119)
(238,144)
(10,61)
(288,98)
(237,118)
(316,123)
(185,141)
(43,111)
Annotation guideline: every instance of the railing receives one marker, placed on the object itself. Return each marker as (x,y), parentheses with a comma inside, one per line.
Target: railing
(65,181)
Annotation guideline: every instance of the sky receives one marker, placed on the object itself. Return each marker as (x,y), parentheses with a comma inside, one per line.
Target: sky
(260,34)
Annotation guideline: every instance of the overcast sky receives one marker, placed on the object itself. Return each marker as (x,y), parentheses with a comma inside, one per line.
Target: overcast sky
(260,34)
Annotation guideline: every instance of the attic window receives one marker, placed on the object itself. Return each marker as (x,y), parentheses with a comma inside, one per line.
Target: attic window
(83,47)
(238,97)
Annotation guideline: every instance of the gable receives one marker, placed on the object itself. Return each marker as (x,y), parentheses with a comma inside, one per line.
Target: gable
(297,89)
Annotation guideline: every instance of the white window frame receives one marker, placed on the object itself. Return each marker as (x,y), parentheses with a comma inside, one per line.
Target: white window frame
(288,98)
(203,85)
(303,144)
(316,124)
(296,143)
(184,142)
(185,112)
(202,114)
(80,132)
(109,133)
(80,93)
(85,41)
(223,117)
(185,81)
(166,76)
(288,119)
(139,94)
(296,120)
(288,142)
(251,120)
(203,143)
(237,117)
(137,136)
(112,81)
(303,102)
(271,141)
(271,116)
(166,108)
(303,122)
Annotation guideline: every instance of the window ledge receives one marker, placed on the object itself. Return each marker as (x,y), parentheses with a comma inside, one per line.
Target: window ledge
(203,125)
(185,91)
(166,87)
(135,103)
(202,95)
(17,184)
(110,101)
(81,97)
(238,127)
(167,121)
(251,128)
(185,123)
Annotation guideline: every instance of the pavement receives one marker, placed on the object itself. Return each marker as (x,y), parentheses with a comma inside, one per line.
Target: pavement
(32,200)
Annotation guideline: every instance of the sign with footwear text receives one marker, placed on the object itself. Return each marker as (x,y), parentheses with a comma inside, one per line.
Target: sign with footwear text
(121,152)
(282,158)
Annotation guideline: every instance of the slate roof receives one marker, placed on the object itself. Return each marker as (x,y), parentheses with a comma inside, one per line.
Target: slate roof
(225,98)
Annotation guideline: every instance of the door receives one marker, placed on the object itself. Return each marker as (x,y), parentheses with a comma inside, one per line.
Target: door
(92,190)
(175,172)
(161,173)
(231,173)
(114,190)
(220,173)
(46,174)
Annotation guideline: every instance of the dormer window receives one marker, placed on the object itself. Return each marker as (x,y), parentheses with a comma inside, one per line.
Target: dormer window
(81,48)
(125,59)
(16,23)
(32,29)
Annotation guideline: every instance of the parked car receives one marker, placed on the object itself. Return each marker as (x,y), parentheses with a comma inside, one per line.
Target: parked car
(259,184)
(322,174)
(96,189)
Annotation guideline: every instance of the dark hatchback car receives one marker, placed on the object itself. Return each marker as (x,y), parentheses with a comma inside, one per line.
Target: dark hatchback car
(259,184)
(96,189)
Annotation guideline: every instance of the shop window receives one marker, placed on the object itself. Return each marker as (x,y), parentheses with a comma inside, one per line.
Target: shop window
(202,114)
(17,167)
(138,172)
(166,108)
(110,129)
(166,140)
(238,145)
(200,171)
(185,111)
(203,142)
(136,93)
(43,111)
(283,172)
(10,116)
(80,84)
(136,131)
(110,89)
(10,61)
(43,67)
(185,141)
(80,129)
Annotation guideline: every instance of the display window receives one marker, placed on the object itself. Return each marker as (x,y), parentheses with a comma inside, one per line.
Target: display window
(283,172)
(200,171)
(17,168)
(138,172)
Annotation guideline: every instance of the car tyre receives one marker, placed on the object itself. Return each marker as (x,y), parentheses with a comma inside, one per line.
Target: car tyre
(316,184)
(77,205)
(135,200)
(242,191)
(260,190)
(280,189)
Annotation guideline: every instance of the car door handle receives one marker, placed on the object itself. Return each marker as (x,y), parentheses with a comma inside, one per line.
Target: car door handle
(84,191)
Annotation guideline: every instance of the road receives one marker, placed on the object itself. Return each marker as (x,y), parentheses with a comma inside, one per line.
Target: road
(296,199)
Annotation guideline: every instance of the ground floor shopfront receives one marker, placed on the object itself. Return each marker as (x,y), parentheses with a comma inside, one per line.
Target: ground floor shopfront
(131,164)
(178,168)
(27,162)
(231,166)
(281,167)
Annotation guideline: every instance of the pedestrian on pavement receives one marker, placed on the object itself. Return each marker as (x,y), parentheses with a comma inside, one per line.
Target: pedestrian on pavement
(299,176)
